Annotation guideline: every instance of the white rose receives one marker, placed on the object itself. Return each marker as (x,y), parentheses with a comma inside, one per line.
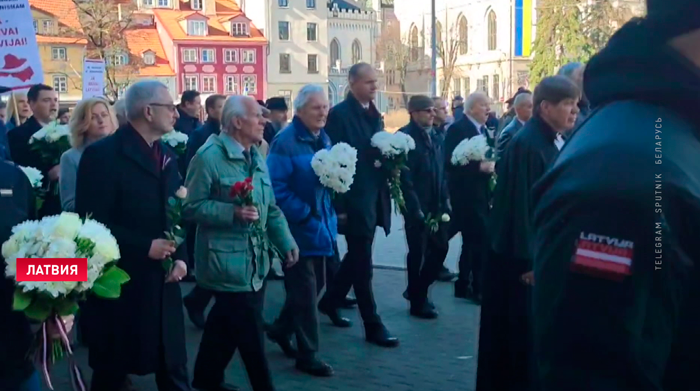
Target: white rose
(68,225)
(107,248)
(10,247)
(181,192)
(445,218)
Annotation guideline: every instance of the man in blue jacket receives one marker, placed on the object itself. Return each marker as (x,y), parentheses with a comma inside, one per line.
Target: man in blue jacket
(312,220)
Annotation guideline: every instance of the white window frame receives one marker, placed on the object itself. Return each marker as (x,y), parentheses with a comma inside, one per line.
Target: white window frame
(196,4)
(244,56)
(231,56)
(289,31)
(186,51)
(149,58)
(190,77)
(59,53)
(283,3)
(195,27)
(211,60)
(213,89)
(255,84)
(315,25)
(240,29)
(164,3)
(62,85)
(36,26)
(307,64)
(236,84)
(147,3)
(47,26)
(310,4)
(118,59)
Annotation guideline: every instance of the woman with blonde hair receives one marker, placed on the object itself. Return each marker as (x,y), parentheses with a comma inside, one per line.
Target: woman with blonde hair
(92,120)
(18,110)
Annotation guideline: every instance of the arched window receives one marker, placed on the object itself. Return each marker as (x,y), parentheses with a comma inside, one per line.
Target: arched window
(438,37)
(331,95)
(415,50)
(335,53)
(492,31)
(356,52)
(463,35)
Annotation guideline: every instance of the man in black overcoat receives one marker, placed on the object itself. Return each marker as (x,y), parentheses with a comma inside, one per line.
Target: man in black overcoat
(278,117)
(364,207)
(469,194)
(425,192)
(124,182)
(44,103)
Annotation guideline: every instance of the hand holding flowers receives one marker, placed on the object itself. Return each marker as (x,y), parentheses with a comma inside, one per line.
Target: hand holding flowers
(35,178)
(247,210)
(335,168)
(50,142)
(433,222)
(176,234)
(394,148)
(177,140)
(476,149)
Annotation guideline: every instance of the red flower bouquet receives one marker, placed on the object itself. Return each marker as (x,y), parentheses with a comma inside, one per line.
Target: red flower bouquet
(242,193)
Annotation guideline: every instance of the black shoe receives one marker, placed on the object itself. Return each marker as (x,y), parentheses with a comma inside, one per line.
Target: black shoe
(407,297)
(462,290)
(275,275)
(334,315)
(446,275)
(424,310)
(195,314)
(285,343)
(315,367)
(220,387)
(349,302)
(378,334)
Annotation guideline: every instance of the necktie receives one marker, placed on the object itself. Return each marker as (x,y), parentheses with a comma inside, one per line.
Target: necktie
(482,130)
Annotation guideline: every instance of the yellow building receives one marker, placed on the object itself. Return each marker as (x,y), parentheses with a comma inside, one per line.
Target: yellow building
(61,56)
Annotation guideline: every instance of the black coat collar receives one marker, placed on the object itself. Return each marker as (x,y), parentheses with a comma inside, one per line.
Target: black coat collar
(155,159)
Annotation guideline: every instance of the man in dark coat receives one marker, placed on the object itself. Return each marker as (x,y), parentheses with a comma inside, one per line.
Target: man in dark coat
(457,108)
(189,110)
(504,339)
(469,190)
(124,182)
(522,106)
(364,207)
(425,192)
(44,103)
(278,117)
(618,215)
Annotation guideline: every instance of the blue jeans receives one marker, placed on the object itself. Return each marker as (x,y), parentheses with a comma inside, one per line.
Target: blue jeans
(31,384)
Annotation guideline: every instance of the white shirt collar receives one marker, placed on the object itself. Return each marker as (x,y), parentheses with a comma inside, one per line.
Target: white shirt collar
(475,122)
(559,141)
(521,121)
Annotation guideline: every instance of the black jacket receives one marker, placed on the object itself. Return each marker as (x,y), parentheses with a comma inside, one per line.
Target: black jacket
(269,132)
(367,203)
(4,144)
(186,123)
(17,205)
(422,181)
(631,173)
(506,135)
(125,184)
(198,138)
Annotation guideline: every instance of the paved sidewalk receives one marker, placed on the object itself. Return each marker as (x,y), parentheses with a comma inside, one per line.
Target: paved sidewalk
(435,355)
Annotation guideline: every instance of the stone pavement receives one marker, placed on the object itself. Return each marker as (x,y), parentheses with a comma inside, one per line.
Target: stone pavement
(435,355)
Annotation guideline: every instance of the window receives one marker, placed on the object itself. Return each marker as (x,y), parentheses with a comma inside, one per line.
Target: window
(189,55)
(287,95)
(335,53)
(492,31)
(209,84)
(208,55)
(285,63)
(311,32)
(248,56)
(463,34)
(231,85)
(149,58)
(283,3)
(311,4)
(36,26)
(191,83)
(47,25)
(249,83)
(59,54)
(480,85)
(147,3)
(231,56)
(60,83)
(239,29)
(197,28)
(467,86)
(456,86)
(163,3)
(283,28)
(485,85)
(356,52)
(496,87)
(118,59)
(196,4)
(312,63)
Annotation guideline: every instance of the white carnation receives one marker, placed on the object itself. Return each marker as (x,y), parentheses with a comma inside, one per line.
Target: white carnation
(335,168)
(393,144)
(174,138)
(67,225)
(472,149)
(51,133)
(35,176)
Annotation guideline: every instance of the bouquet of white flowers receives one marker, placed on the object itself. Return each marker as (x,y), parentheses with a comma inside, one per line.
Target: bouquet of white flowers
(177,140)
(394,148)
(62,236)
(50,142)
(335,168)
(475,149)
(35,178)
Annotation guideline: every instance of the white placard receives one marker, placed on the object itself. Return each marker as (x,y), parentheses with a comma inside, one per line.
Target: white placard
(93,78)
(20,63)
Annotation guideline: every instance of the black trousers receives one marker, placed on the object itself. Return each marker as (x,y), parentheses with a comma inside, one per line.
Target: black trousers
(299,315)
(166,379)
(355,272)
(234,322)
(474,254)
(190,240)
(505,335)
(426,252)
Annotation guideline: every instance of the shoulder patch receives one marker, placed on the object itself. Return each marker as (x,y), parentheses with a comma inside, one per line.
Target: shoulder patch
(603,256)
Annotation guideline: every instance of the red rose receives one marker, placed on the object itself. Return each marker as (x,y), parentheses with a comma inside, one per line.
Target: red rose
(249,180)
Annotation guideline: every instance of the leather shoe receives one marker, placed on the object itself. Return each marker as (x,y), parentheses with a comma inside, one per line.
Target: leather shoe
(423,310)
(315,367)
(334,315)
(378,334)
(285,343)
(220,387)
(349,302)
(195,314)
(446,275)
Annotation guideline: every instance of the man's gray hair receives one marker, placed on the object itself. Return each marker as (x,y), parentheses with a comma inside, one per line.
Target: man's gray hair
(522,98)
(475,98)
(120,111)
(569,69)
(235,107)
(140,95)
(305,93)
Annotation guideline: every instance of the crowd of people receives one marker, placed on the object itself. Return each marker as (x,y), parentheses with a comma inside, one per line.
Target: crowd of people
(579,170)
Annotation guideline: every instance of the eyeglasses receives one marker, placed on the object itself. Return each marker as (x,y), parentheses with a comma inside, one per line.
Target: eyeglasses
(169,106)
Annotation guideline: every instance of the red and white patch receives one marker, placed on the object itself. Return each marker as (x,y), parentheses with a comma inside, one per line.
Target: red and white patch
(603,256)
